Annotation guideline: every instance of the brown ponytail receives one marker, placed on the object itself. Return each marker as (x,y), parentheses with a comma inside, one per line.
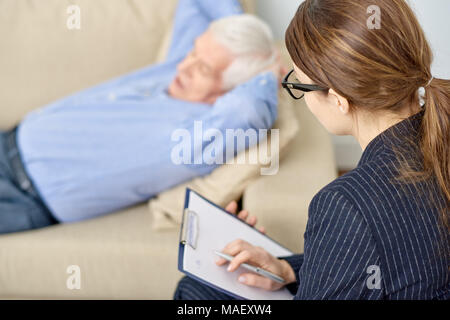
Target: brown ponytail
(377,69)
(435,137)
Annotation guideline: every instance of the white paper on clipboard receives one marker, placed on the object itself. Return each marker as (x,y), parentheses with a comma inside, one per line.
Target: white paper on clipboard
(207,228)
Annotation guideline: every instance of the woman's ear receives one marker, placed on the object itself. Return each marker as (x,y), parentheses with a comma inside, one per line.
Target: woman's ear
(339,101)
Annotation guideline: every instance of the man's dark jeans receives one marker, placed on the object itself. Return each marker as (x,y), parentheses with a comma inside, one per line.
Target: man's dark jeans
(20,206)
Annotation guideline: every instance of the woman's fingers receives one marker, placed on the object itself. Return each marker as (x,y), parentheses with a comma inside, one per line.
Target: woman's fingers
(220,261)
(244,252)
(232,207)
(254,280)
(242,257)
(251,221)
(233,249)
(243,215)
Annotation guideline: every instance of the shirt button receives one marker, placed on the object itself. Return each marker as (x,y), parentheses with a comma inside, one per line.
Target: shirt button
(263,82)
(25,185)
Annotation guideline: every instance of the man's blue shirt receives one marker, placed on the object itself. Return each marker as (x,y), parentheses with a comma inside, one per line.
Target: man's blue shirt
(109,147)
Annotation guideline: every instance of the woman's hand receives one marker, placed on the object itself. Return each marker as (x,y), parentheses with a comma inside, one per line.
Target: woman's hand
(244,252)
(243,215)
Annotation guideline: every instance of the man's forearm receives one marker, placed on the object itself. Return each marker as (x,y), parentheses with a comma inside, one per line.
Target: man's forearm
(218,9)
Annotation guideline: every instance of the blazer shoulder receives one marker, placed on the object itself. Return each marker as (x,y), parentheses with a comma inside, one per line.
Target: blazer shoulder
(382,171)
(348,191)
(341,186)
(332,200)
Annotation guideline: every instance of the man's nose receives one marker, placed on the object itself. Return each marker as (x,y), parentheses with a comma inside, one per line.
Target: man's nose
(186,64)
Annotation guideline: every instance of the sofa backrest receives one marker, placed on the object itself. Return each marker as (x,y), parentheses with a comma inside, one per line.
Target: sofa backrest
(42,60)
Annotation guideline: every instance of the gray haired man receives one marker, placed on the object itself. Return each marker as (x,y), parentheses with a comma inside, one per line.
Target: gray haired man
(109,147)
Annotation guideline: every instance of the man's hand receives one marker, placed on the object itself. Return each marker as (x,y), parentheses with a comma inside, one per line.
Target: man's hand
(244,252)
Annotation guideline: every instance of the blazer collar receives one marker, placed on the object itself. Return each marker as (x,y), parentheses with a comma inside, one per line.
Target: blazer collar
(405,131)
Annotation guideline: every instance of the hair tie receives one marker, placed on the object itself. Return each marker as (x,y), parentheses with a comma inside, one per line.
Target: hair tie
(422,93)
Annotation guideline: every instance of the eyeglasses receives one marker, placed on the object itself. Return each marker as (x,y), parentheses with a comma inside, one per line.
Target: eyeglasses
(297,90)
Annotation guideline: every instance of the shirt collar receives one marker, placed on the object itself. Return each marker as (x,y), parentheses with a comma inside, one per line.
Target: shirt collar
(408,128)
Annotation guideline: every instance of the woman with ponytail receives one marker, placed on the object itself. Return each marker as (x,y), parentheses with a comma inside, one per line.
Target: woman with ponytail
(380,231)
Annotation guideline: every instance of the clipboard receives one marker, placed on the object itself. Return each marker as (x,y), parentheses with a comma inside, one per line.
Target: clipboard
(205,228)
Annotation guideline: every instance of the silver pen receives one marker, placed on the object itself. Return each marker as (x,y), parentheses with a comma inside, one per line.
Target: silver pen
(257,270)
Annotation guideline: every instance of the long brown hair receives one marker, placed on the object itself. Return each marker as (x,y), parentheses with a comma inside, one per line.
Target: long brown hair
(377,69)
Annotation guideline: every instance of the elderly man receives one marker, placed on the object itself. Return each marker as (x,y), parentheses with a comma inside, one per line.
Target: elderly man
(110,146)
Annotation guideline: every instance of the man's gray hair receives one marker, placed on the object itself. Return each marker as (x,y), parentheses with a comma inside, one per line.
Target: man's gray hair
(250,40)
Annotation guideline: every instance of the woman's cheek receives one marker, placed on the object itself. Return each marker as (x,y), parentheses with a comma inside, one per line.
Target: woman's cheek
(319,110)
(313,105)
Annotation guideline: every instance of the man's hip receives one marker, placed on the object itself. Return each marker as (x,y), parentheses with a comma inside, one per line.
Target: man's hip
(21,208)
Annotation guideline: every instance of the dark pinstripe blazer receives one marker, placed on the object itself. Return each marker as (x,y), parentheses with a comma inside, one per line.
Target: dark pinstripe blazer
(365,226)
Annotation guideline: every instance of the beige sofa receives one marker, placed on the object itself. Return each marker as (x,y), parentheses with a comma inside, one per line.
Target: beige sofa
(120,255)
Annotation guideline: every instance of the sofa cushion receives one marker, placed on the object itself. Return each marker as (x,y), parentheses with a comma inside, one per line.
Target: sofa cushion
(119,256)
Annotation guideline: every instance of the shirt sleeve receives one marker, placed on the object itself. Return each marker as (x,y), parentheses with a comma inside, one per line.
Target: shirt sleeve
(192,18)
(254,102)
(340,258)
(251,105)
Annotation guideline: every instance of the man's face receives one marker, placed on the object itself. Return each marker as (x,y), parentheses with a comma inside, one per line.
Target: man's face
(199,76)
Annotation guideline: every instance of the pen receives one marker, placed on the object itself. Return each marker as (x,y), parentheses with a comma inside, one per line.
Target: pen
(257,270)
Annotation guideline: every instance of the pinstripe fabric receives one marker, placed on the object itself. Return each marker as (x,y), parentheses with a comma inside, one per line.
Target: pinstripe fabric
(366,225)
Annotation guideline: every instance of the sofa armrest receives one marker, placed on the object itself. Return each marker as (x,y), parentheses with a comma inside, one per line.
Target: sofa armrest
(280,202)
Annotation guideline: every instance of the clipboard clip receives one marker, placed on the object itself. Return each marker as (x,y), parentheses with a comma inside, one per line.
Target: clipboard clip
(189,228)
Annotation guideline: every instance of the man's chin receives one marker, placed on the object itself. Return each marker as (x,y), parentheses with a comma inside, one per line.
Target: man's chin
(172,90)
(175,92)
